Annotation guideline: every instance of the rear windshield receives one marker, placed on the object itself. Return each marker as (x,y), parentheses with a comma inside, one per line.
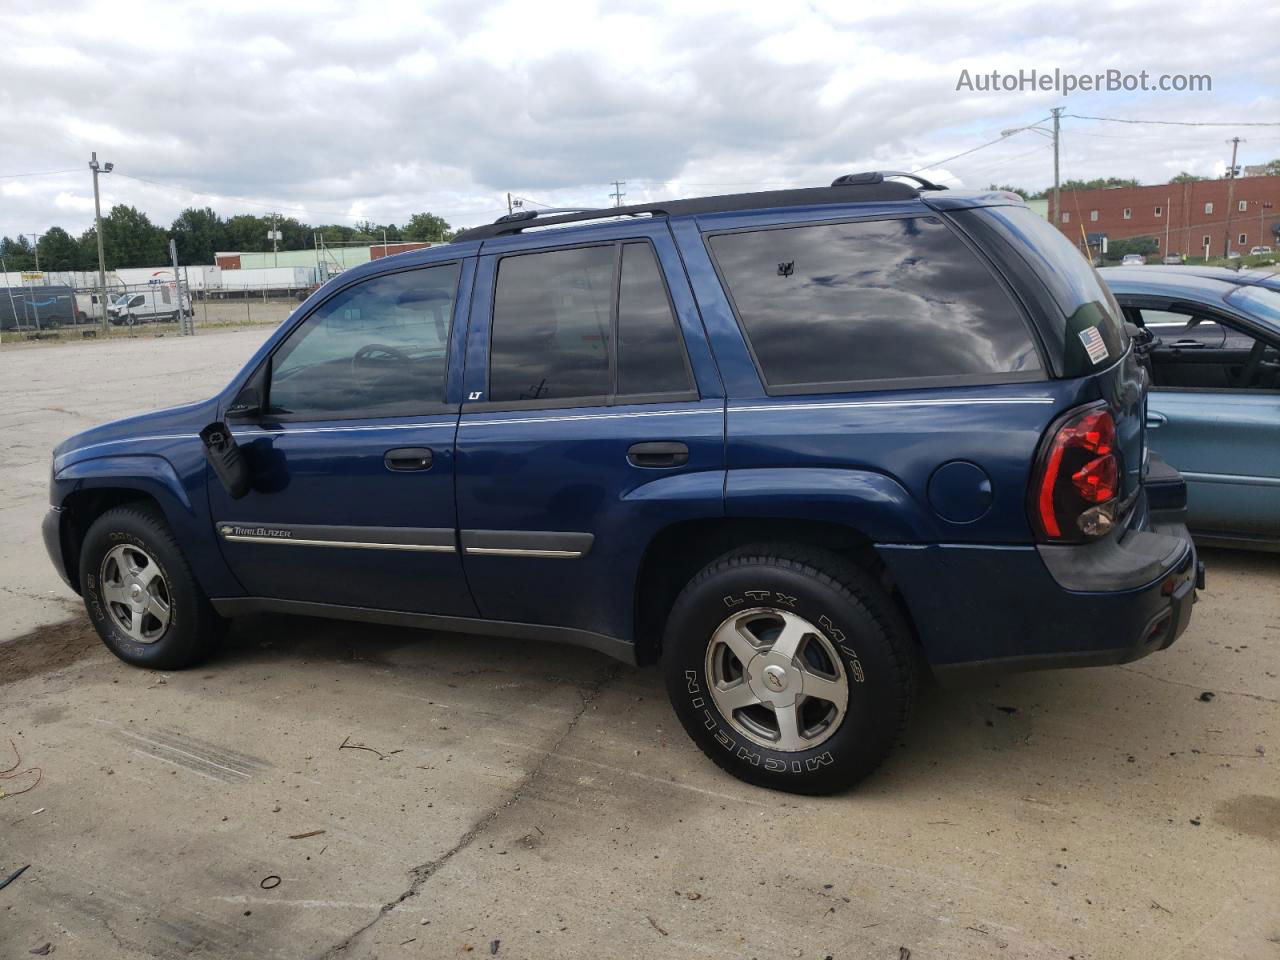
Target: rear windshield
(1082,296)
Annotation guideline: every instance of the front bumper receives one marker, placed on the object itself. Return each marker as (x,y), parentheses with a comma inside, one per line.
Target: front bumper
(51,530)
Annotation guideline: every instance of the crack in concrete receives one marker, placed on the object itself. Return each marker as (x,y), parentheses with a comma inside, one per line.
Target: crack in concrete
(420,874)
(1195,686)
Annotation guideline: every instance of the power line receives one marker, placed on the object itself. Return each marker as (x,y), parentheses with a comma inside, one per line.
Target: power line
(1180,123)
(981,146)
(38,173)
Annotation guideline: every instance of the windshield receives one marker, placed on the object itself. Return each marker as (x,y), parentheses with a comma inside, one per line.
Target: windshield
(1261,302)
(122,300)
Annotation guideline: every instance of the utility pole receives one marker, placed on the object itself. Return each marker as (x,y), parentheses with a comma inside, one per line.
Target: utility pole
(1231,195)
(97,220)
(510,209)
(617,192)
(275,242)
(184,325)
(1055,216)
(1168,215)
(35,245)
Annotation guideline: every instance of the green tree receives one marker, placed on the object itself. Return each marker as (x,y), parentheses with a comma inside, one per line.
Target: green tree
(1271,169)
(58,250)
(246,233)
(198,234)
(427,226)
(1185,177)
(130,239)
(18,254)
(87,250)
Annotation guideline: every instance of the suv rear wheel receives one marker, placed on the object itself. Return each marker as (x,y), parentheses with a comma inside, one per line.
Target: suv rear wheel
(790,667)
(140,593)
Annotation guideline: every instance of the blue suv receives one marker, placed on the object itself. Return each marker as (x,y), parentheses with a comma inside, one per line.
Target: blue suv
(795,446)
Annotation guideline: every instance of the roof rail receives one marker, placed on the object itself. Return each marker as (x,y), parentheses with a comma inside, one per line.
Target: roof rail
(867,188)
(880,176)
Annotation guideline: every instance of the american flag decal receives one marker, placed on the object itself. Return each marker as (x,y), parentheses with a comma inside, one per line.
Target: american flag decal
(1094,345)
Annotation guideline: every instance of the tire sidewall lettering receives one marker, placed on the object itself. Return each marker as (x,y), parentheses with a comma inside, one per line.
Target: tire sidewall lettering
(710,720)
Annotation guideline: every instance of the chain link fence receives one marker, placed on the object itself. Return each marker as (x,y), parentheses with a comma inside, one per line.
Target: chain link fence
(139,310)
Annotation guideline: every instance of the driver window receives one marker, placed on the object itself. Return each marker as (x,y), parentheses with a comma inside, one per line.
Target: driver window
(376,349)
(1197,353)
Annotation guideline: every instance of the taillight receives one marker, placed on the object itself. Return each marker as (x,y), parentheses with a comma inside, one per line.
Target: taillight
(1077,482)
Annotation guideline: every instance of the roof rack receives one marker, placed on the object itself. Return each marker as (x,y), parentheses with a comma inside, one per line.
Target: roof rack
(851,188)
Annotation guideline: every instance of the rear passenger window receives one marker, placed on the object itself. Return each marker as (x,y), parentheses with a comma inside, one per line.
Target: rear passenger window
(650,352)
(869,304)
(558,314)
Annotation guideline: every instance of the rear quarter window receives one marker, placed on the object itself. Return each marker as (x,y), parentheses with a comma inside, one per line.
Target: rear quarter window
(1076,289)
(871,304)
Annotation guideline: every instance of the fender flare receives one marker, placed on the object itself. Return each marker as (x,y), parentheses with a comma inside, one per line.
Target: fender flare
(874,503)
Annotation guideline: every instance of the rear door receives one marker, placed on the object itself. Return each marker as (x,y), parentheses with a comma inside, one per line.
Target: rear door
(584,430)
(352,462)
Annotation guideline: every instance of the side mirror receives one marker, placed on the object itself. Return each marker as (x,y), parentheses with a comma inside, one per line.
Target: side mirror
(246,405)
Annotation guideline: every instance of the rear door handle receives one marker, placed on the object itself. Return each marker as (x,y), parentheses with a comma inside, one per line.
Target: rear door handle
(658,453)
(408,458)
(1188,345)
(1155,419)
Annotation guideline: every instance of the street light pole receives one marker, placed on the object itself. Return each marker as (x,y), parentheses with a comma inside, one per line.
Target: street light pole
(1056,217)
(97,220)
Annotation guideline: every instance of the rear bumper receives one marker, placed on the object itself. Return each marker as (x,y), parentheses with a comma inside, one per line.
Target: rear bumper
(983,608)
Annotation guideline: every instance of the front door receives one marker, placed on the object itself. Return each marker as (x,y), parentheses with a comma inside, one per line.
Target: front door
(584,432)
(1214,413)
(352,457)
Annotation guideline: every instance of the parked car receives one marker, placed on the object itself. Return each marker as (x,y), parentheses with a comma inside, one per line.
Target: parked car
(789,444)
(1214,408)
(1172,258)
(154,304)
(1259,251)
(1133,260)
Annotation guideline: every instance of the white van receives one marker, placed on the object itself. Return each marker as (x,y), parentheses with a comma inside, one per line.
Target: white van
(89,307)
(155,304)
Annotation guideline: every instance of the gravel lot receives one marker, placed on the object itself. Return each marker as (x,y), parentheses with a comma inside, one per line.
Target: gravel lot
(426,795)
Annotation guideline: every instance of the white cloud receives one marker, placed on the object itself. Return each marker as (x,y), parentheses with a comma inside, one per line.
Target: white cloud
(332,111)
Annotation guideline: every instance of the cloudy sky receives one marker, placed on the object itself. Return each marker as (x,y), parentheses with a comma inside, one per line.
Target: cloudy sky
(336,112)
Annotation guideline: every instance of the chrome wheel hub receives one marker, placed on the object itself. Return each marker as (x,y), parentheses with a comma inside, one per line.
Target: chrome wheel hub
(777,679)
(135,593)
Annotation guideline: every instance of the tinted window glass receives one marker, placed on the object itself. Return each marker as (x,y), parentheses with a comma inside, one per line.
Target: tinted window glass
(377,349)
(650,353)
(877,300)
(1075,286)
(551,323)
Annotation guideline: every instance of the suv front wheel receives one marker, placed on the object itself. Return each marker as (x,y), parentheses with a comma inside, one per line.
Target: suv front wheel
(790,667)
(141,595)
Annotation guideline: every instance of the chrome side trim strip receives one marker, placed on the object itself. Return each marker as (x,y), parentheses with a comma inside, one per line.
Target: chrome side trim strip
(941,402)
(523,552)
(716,411)
(285,431)
(351,544)
(1247,481)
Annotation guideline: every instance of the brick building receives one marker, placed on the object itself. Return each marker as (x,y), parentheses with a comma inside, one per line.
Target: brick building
(1180,217)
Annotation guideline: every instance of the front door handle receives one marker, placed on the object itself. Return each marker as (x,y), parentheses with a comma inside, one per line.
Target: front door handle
(1155,419)
(408,458)
(658,453)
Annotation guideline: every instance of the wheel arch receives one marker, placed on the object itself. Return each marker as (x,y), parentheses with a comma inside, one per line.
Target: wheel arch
(88,489)
(677,552)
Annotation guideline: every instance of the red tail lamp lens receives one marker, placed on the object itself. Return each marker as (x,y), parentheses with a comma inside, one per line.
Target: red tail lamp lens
(1080,471)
